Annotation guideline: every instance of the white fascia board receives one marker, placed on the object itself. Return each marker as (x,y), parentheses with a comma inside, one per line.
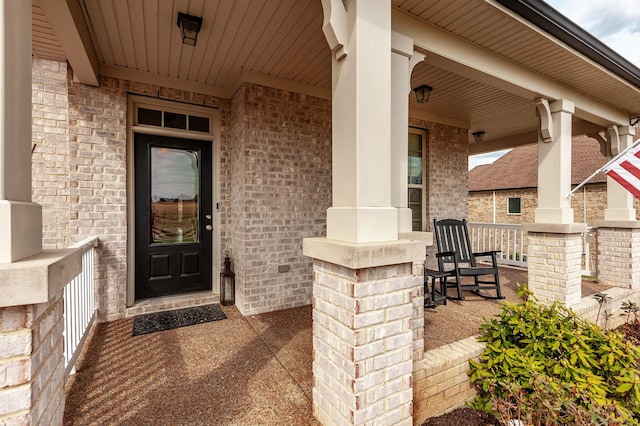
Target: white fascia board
(165,81)
(461,57)
(67,21)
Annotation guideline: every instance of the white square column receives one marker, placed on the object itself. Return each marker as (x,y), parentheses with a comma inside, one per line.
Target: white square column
(619,200)
(20,219)
(554,162)
(361,139)
(554,241)
(403,59)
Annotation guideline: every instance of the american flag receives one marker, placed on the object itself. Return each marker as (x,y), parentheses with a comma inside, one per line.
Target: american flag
(626,170)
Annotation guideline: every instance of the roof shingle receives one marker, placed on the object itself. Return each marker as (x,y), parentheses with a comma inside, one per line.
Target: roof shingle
(519,167)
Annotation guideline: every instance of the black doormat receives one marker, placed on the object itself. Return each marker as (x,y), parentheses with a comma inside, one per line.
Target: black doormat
(160,321)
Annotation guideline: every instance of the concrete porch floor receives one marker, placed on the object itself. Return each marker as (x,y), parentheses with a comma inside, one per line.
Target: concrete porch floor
(238,371)
(242,370)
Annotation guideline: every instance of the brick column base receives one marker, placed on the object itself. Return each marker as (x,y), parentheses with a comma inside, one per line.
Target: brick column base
(619,257)
(32,364)
(555,264)
(417,321)
(362,341)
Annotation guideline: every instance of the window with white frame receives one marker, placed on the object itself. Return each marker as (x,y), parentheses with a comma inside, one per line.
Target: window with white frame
(416,178)
(513,205)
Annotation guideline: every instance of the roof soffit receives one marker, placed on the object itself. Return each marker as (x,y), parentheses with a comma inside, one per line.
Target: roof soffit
(67,23)
(460,56)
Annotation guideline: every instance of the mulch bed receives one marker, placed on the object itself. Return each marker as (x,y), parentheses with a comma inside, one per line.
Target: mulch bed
(466,416)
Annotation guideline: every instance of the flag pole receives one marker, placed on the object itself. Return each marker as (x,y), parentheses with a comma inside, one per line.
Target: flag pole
(633,145)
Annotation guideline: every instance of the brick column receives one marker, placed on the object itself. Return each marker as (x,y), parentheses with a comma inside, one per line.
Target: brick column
(619,253)
(417,319)
(555,262)
(32,364)
(363,335)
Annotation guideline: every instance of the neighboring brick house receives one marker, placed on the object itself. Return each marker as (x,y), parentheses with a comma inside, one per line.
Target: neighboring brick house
(506,190)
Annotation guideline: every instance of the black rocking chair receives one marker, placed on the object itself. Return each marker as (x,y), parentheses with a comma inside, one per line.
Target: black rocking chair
(457,260)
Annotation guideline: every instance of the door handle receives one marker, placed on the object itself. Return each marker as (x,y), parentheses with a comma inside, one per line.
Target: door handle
(208,227)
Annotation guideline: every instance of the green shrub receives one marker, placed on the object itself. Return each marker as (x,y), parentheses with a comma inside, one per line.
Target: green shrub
(546,366)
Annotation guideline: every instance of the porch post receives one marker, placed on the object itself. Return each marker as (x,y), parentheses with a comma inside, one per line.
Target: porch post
(31,281)
(367,289)
(20,219)
(403,59)
(361,128)
(554,241)
(619,232)
(619,200)
(554,163)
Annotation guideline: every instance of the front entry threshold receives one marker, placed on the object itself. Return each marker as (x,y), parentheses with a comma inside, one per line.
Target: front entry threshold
(168,303)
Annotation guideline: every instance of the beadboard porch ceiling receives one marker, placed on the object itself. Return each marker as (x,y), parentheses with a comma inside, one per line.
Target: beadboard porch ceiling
(281,43)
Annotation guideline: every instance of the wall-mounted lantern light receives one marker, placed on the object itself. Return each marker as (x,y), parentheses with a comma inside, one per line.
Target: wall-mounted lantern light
(478,136)
(422,93)
(227,283)
(189,27)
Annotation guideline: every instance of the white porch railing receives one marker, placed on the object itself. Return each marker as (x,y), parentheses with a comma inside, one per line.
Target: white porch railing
(590,252)
(79,305)
(511,241)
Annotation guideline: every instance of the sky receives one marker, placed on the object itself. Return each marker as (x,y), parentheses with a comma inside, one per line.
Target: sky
(615,23)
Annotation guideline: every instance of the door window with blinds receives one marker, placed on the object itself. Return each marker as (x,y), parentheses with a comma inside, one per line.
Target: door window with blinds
(416,178)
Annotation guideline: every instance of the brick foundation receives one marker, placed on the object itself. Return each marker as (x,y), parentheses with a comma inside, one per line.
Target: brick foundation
(618,257)
(554,264)
(441,382)
(32,364)
(363,344)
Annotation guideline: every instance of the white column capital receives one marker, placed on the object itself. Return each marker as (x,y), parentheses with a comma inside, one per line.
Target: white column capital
(562,105)
(627,130)
(401,44)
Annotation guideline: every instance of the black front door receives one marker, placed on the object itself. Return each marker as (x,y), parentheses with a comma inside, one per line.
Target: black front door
(172,216)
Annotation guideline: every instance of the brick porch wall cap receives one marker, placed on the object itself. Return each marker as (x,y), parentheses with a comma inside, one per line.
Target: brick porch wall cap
(631,224)
(555,228)
(38,278)
(364,255)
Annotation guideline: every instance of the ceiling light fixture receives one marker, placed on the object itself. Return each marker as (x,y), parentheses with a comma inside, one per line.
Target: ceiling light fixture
(422,93)
(189,27)
(478,136)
